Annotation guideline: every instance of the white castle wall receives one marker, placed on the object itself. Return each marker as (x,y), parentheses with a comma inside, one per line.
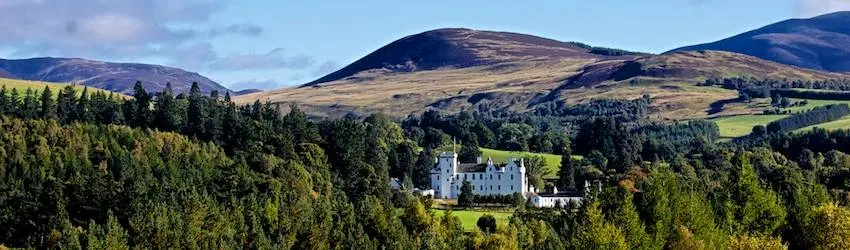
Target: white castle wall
(447,181)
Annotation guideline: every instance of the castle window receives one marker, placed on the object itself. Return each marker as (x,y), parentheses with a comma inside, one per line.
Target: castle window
(491,187)
(512,187)
(500,177)
(512,177)
(500,187)
(480,187)
(481,176)
(473,188)
(473,177)
(491,176)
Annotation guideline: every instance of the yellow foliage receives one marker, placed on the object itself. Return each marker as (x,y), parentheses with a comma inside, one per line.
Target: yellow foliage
(685,240)
(746,242)
(830,227)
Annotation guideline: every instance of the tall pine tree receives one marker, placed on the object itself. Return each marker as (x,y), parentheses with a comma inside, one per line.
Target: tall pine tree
(48,105)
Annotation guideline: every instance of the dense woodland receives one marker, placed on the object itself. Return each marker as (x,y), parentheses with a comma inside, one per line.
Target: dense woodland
(82,170)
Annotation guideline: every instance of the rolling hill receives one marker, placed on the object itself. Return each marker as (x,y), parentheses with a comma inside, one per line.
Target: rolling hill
(821,43)
(516,72)
(458,48)
(117,77)
(22,85)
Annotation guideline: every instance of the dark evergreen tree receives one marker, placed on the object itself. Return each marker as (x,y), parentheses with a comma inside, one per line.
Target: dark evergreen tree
(166,114)
(66,105)
(29,107)
(48,106)
(141,113)
(196,113)
(567,171)
(466,197)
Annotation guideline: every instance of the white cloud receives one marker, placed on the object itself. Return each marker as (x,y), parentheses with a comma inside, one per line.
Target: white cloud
(810,8)
(115,29)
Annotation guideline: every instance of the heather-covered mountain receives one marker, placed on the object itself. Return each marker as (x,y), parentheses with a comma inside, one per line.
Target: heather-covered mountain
(117,77)
(821,43)
(462,69)
(458,48)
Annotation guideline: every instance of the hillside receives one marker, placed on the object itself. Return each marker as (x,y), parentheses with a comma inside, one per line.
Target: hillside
(22,85)
(519,83)
(458,48)
(821,43)
(117,77)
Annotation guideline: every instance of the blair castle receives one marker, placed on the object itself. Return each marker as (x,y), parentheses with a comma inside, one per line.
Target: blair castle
(485,178)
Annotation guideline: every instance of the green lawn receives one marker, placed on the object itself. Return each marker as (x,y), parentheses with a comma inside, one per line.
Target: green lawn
(469,218)
(553,162)
(741,125)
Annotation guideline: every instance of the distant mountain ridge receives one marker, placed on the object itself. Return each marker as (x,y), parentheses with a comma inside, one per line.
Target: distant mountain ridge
(458,48)
(821,43)
(461,69)
(117,77)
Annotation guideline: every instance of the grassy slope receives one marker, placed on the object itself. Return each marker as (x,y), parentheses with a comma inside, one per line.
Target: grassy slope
(843,123)
(741,125)
(469,218)
(37,87)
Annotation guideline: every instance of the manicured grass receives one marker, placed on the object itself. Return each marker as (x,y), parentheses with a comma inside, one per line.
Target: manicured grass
(741,125)
(553,162)
(469,218)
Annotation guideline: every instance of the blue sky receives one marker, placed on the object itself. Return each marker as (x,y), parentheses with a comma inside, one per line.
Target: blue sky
(274,43)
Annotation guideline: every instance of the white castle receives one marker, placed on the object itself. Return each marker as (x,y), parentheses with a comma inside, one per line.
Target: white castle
(486,179)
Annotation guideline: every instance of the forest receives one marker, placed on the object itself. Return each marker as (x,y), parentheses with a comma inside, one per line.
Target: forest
(82,170)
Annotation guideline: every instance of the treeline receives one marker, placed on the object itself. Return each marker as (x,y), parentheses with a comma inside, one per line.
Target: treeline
(622,110)
(607,51)
(752,82)
(814,116)
(811,94)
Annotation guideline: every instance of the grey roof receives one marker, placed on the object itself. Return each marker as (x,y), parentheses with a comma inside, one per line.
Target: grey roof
(471,167)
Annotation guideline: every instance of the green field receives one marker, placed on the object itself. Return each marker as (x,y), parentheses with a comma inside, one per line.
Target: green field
(813,103)
(741,125)
(842,123)
(469,218)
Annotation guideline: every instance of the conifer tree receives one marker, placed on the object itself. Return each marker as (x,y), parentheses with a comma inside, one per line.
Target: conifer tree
(48,105)
(140,113)
(567,172)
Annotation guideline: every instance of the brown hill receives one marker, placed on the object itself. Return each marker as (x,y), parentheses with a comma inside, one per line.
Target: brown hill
(821,43)
(117,77)
(520,83)
(459,48)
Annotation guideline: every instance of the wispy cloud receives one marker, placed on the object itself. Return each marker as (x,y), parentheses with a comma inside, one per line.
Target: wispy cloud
(326,68)
(255,84)
(275,59)
(809,8)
